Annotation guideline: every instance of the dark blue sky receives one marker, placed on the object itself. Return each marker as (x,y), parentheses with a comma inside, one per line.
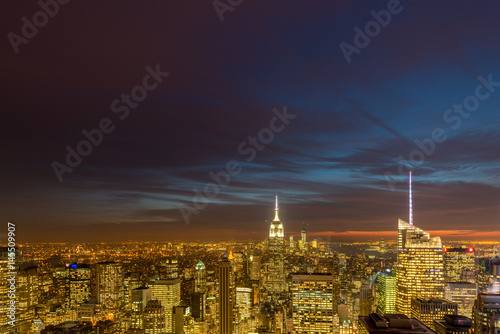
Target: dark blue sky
(334,165)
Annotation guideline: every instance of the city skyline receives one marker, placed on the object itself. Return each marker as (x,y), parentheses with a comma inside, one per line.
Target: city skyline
(170,121)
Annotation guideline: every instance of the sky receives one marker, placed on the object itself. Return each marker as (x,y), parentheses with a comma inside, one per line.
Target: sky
(199,112)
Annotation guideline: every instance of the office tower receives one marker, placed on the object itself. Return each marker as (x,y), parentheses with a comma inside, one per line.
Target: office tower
(391,323)
(131,281)
(244,301)
(109,277)
(303,240)
(428,310)
(456,262)
(27,292)
(238,261)
(4,291)
(420,266)
(453,324)
(225,296)
(255,267)
(292,243)
(200,282)
(489,275)
(366,299)
(198,304)
(312,303)
(276,276)
(168,292)
(386,293)
(170,268)
(77,284)
(381,245)
(464,294)
(154,318)
(183,321)
(179,314)
(486,313)
(420,269)
(140,297)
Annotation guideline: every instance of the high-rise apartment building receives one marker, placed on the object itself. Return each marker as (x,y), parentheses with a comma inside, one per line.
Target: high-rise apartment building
(312,303)
(276,276)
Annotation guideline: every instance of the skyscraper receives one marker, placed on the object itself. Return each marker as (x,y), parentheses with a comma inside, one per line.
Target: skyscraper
(386,294)
(4,291)
(457,261)
(312,303)
(486,314)
(464,294)
(276,276)
(255,267)
(110,286)
(154,318)
(168,292)
(140,297)
(77,284)
(420,269)
(303,240)
(200,281)
(225,296)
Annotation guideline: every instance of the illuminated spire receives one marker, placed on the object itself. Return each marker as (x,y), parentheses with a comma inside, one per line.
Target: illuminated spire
(276,218)
(411,207)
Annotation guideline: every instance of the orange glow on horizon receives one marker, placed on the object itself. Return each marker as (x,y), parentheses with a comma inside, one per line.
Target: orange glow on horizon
(444,234)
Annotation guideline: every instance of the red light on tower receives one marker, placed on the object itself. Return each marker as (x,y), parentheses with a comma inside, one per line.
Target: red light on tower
(446,249)
(471,250)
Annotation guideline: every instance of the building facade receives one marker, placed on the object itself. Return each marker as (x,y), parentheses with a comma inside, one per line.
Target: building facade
(420,268)
(312,303)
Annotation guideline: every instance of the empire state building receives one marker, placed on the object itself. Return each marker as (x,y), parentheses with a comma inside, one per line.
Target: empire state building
(276,272)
